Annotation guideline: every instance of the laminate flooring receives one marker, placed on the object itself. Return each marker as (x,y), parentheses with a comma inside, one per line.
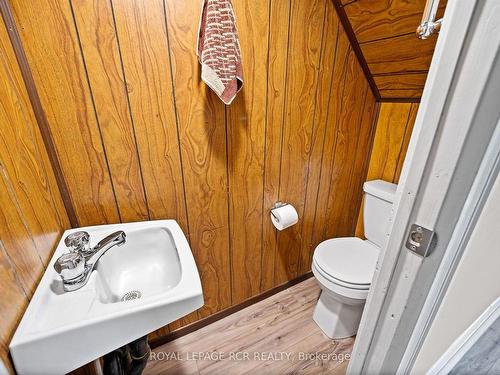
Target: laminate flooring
(274,336)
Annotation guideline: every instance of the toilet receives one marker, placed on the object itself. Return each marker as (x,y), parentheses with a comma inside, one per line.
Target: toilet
(344,267)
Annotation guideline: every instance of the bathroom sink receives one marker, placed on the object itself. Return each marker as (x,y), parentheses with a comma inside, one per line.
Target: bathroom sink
(140,269)
(148,282)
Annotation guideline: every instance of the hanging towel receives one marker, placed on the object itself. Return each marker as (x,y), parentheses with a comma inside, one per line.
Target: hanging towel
(219,49)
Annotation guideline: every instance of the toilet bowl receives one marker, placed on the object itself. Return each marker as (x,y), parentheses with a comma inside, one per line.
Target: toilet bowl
(344,267)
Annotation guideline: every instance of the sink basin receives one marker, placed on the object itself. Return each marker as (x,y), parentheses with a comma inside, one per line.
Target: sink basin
(139,267)
(136,288)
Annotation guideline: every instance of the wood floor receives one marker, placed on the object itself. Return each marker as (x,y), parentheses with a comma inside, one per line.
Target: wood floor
(274,336)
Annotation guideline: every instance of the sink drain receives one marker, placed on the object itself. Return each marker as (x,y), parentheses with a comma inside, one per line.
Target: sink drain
(133,294)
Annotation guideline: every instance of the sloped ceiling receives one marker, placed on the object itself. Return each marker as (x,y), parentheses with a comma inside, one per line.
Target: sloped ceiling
(385,30)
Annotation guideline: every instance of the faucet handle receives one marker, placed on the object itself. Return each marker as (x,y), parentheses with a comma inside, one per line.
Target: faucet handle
(70,266)
(78,242)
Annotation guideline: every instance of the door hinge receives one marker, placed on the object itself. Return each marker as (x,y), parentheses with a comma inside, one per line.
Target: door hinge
(421,241)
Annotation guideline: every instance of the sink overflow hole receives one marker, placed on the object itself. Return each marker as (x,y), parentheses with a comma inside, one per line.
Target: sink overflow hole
(133,294)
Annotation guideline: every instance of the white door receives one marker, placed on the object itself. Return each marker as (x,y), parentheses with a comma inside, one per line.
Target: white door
(451,164)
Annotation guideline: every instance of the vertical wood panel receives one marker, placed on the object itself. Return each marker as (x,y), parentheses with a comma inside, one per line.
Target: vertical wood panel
(318,136)
(50,41)
(334,112)
(304,60)
(12,304)
(24,162)
(352,203)
(393,131)
(246,140)
(17,239)
(142,36)
(202,135)
(353,99)
(406,141)
(391,125)
(32,215)
(277,78)
(94,20)
(343,213)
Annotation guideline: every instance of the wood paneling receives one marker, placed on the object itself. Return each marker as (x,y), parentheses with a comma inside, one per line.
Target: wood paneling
(246,127)
(391,127)
(385,30)
(142,35)
(279,30)
(406,140)
(336,102)
(318,134)
(201,118)
(306,29)
(374,20)
(156,143)
(32,215)
(49,38)
(352,203)
(345,150)
(399,65)
(401,85)
(394,127)
(96,31)
(12,305)
(401,54)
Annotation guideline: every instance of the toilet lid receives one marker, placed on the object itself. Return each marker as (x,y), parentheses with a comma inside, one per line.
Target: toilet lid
(351,259)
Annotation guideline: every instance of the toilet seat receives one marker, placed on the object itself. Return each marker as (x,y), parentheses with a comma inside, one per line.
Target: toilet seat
(345,294)
(338,282)
(348,262)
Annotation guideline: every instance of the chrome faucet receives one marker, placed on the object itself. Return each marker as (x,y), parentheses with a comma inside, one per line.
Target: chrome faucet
(76,266)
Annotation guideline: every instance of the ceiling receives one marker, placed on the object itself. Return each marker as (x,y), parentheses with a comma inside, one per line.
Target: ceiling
(385,31)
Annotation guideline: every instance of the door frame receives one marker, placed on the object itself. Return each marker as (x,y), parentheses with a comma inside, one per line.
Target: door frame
(438,161)
(483,183)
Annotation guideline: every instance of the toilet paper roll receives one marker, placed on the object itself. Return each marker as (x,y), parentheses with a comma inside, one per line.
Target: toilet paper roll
(284,217)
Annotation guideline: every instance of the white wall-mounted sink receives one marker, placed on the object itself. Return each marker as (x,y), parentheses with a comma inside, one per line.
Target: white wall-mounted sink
(136,288)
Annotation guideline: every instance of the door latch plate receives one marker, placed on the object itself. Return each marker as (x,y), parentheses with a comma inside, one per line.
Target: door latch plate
(421,240)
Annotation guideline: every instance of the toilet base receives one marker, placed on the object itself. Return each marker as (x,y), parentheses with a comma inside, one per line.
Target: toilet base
(336,319)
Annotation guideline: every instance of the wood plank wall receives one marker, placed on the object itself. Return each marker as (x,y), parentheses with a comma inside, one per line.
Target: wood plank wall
(32,215)
(394,128)
(385,31)
(139,136)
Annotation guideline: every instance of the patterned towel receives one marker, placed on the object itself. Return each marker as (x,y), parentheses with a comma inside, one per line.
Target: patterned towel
(219,49)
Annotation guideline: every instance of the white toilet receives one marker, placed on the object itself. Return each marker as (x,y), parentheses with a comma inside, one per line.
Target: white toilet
(344,267)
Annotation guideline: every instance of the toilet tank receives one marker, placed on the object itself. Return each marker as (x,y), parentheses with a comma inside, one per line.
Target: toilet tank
(379,196)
